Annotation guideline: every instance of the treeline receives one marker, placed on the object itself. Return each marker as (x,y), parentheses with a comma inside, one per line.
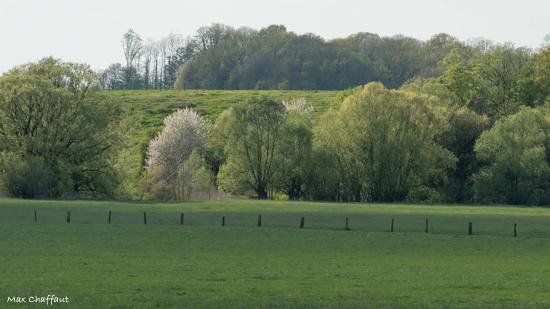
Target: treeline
(149,64)
(477,132)
(222,57)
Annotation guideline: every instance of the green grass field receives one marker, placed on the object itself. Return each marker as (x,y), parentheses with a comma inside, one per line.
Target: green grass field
(201,264)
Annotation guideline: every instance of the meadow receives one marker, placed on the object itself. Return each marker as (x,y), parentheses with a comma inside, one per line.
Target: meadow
(152,106)
(127,264)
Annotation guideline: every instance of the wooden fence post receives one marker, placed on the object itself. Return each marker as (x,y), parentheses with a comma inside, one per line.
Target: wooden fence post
(391,229)
(181,218)
(109,220)
(259,220)
(35,218)
(515,230)
(347,224)
(144,217)
(426,225)
(68,217)
(469,228)
(302,221)
(223,220)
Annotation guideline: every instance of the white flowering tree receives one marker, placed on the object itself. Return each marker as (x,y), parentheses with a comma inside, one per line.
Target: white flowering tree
(184,131)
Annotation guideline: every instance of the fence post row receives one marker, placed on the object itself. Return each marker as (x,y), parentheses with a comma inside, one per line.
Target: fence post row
(302,222)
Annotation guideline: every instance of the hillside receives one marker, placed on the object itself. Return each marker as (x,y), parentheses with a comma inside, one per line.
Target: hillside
(153,105)
(148,108)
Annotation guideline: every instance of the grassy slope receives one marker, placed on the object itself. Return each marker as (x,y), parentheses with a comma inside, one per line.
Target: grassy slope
(155,105)
(203,264)
(147,109)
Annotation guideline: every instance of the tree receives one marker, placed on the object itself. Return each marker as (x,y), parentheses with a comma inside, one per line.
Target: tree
(383,146)
(184,132)
(492,79)
(252,132)
(541,76)
(52,129)
(149,57)
(113,78)
(194,178)
(514,153)
(294,171)
(465,127)
(132,46)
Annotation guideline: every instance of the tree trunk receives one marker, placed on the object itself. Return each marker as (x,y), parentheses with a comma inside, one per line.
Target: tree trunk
(261,192)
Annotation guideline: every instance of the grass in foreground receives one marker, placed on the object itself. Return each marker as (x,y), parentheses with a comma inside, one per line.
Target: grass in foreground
(202,264)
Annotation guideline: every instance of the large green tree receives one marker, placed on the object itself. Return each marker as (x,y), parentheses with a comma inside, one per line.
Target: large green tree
(251,135)
(53,140)
(514,152)
(494,80)
(382,144)
(294,172)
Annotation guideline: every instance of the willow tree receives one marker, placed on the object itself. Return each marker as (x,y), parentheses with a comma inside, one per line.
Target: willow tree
(382,145)
(250,134)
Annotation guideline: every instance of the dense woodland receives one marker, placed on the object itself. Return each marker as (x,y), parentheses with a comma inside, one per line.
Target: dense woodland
(435,121)
(222,57)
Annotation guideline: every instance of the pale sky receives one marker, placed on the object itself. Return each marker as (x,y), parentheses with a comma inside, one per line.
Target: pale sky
(90,31)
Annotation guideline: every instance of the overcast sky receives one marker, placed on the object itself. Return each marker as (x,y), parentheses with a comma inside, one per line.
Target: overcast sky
(89,31)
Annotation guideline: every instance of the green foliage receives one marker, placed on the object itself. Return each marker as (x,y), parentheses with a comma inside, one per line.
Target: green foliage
(514,152)
(156,187)
(253,133)
(540,77)
(494,80)
(274,58)
(26,178)
(365,143)
(50,125)
(483,83)
(294,175)
(465,127)
(144,112)
(194,178)
(382,145)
